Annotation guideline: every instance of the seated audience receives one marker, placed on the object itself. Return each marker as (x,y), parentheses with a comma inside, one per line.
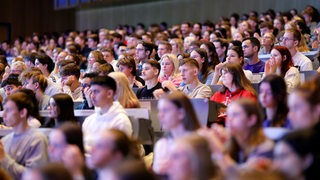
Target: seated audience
(177,118)
(127,66)
(70,82)
(170,69)
(60,110)
(281,63)
(234,85)
(251,47)
(24,147)
(150,73)
(109,113)
(205,72)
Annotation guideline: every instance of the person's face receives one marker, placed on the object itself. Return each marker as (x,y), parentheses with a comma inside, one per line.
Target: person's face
(122,50)
(237,120)
(219,49)
(267,40)
(238,36)
(91,59)
(244,26)
(141,52)
(107,56)
(287,161)
(126,70)
(196,28)
(277,24)
(29,84)
(67,80)
(11,114)
(42,67)
(91,43)
(233,57)
(95,66)
(181,163)
(195,55)
(248,49)
(162,49)
(101,96)
(10,88)
(276,55)
(300,113)
(185,29)
(169,115)
(61,56)
(53,109)
(174,46)
(288,40)
(29,64)
(213,37)
(102,152)
(206,35)
(203,46)
(16,70)
(148,72)
(167,66)
(265,96)
(188,73)
(57,144)
(227,78)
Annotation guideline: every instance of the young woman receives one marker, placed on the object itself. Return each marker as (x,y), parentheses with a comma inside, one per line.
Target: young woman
(191,159)
(66,146)
(304,103)
(124,94)
(294,157)
(213,58)
(273,97)
(234,85)
(281,64)
(206,73)
(127,66)
(61,110)
(234,55)
(93,57)
(170,69)
(177,118)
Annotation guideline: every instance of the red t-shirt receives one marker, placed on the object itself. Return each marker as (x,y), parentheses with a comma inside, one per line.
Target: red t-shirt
(227,97)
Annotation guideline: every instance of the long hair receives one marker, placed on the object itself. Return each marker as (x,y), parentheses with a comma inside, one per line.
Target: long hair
(279,95)
(124,94)
(213,58)
(180,100)
(174,60)
(199,153)
(239,51)
(255,136)
(239,78)
(65,108)
(286,64)
(205,65)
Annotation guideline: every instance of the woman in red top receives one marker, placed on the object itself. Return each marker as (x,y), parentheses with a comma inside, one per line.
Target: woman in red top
(235,85)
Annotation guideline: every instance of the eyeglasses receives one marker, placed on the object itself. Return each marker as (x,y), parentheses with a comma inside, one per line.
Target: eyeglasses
(286,39)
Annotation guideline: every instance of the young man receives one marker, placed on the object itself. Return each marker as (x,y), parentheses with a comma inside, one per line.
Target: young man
(143,53)
(193,88)
(25,147)
(291,40)
(221,46)
(251,47)
(38,83)
(71,85)
(11,84)
(163,48)
(86,91)
(150,73)
(109,113)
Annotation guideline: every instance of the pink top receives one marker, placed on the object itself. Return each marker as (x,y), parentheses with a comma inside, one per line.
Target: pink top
(176,80)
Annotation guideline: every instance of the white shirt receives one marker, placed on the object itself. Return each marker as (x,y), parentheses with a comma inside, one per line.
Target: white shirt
(302,61)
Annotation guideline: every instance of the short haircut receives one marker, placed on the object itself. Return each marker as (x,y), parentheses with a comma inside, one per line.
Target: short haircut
(12,79)
(107,50)
(46,60)
(254,41)
(105,81)
(22,100)
(37,77)
(70,69)
(266,24)
(94,37)
(90,75)
(105,69)
(190,62)
(154,63)
(147,46)
(128,61)
(167,44)
(296,34)
(30,57)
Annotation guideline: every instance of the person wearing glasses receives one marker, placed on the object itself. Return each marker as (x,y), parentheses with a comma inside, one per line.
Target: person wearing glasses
(291,40)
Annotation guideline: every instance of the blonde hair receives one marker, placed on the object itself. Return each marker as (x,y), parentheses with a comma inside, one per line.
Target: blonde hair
(173,58)
(124,94)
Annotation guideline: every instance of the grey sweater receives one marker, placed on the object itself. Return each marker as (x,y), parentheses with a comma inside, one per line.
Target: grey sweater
(25,150)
